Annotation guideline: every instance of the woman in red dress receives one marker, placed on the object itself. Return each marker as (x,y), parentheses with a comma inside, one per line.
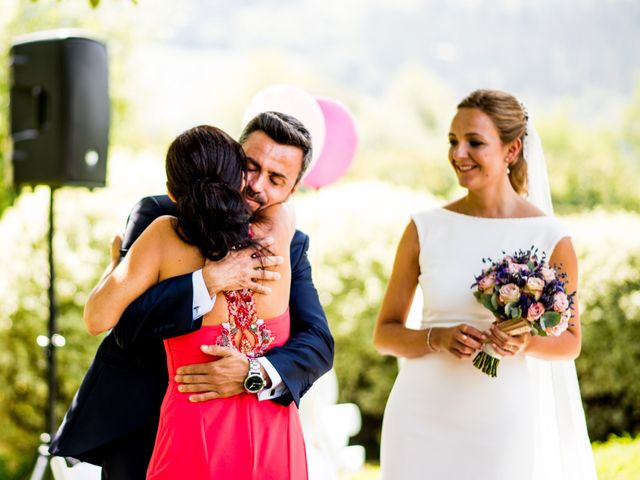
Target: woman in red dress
(237,437)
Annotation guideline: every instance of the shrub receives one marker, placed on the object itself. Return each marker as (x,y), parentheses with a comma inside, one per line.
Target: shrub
(618,458)
(352,253)
(84,225)
(355,229)
(609,366)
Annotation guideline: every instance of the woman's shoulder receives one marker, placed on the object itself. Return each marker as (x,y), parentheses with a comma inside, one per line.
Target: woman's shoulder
(557,227)
(160,230)
(278,222)
(278,218)
(426,216)
(164,223)
(550,220)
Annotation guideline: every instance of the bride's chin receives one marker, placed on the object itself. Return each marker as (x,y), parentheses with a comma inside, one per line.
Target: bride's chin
(464,180)
(469,184)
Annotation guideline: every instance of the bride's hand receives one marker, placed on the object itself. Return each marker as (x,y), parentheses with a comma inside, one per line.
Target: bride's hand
(505,344)
(461,341)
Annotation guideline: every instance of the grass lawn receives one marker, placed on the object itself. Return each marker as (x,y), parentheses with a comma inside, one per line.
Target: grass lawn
(616,459)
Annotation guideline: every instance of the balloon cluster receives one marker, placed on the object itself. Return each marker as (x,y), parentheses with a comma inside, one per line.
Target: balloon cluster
(333,131)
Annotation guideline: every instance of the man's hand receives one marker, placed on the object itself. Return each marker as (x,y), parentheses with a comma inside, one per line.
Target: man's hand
(242,269)
(221,378)
(116,245)
(114,254)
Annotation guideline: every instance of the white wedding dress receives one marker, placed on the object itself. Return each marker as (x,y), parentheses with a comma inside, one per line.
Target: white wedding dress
(445,419)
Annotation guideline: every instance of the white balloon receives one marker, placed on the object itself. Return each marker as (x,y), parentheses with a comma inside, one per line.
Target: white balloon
(295,102)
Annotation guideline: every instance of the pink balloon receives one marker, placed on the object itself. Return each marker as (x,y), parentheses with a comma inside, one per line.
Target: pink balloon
(293,101)
(340,142)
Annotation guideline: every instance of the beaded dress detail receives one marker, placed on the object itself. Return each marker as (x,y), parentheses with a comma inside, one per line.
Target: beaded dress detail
(244,331)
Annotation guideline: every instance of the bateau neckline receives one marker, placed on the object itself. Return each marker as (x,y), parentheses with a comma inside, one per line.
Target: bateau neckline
(464,215)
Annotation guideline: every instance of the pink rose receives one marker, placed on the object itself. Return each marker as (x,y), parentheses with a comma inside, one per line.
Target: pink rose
(534,287)
(487,283)
(558,329)
(548,274)
(560,302)
(535,311)
(509,293)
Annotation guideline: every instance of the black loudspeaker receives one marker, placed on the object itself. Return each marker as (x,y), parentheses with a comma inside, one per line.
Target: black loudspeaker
(59,107)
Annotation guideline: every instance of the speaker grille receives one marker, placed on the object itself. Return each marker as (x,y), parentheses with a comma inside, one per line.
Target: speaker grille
(60,110)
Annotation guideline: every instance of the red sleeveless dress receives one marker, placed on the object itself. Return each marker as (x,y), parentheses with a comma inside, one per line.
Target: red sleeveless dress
(229,438)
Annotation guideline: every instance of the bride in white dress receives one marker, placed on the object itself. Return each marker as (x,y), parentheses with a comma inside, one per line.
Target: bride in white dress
(445,419)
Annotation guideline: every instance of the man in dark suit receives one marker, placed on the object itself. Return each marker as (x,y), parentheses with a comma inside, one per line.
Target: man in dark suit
(113,418)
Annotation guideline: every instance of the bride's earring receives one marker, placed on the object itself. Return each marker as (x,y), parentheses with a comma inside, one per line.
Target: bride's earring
(508,169)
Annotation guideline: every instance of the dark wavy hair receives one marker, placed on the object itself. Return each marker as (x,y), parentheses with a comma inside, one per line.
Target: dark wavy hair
(205,168)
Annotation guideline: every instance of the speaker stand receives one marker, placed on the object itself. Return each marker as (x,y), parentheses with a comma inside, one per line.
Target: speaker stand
(49,343)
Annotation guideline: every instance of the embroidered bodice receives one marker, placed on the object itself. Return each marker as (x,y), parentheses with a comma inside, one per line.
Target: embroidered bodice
(244,330)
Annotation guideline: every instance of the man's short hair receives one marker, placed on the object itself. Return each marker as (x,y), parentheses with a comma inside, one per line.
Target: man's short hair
(283,129)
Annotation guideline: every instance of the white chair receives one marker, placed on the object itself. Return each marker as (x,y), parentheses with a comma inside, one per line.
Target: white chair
(327,427)
(79,471)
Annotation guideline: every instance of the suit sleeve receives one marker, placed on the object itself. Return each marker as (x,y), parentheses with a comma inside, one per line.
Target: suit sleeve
(165,310)
(308,353)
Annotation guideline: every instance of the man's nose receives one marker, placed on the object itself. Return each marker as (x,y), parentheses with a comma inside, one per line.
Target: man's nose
(256,182)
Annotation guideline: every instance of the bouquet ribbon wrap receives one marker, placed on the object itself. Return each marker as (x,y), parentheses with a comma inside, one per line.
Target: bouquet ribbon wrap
(488,359)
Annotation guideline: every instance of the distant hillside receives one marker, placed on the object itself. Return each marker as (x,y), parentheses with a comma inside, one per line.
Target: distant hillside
(543,48)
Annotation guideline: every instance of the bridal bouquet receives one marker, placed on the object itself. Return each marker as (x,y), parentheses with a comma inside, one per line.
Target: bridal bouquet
(526,295)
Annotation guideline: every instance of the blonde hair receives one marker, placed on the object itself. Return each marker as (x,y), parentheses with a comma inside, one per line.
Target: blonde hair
(510,119)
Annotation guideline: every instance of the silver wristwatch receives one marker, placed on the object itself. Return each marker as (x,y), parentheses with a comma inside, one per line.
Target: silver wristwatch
(254,381)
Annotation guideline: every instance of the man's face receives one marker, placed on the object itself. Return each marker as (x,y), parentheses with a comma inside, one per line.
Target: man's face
(272,170)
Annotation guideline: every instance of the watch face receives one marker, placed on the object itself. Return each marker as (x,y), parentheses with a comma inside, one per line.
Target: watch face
(254,383)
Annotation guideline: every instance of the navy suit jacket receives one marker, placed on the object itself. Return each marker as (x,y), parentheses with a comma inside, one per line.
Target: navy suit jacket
(124,386)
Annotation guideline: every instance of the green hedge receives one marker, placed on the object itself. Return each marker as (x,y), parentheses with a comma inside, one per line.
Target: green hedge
(352,261)
(618,458)
(609,366)
(84,223)
(354,231)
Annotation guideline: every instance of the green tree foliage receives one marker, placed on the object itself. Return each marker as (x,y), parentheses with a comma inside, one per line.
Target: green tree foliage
(403,140)
(84,224)
(7,194)
(588,166)
(354,232)
(365,376)
(630,134)
(115,27)
(609,366)
(403,133)
(352,260)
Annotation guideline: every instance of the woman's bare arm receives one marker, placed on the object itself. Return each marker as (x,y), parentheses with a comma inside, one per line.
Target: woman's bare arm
(568,344)
(390,336)
(123,283)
